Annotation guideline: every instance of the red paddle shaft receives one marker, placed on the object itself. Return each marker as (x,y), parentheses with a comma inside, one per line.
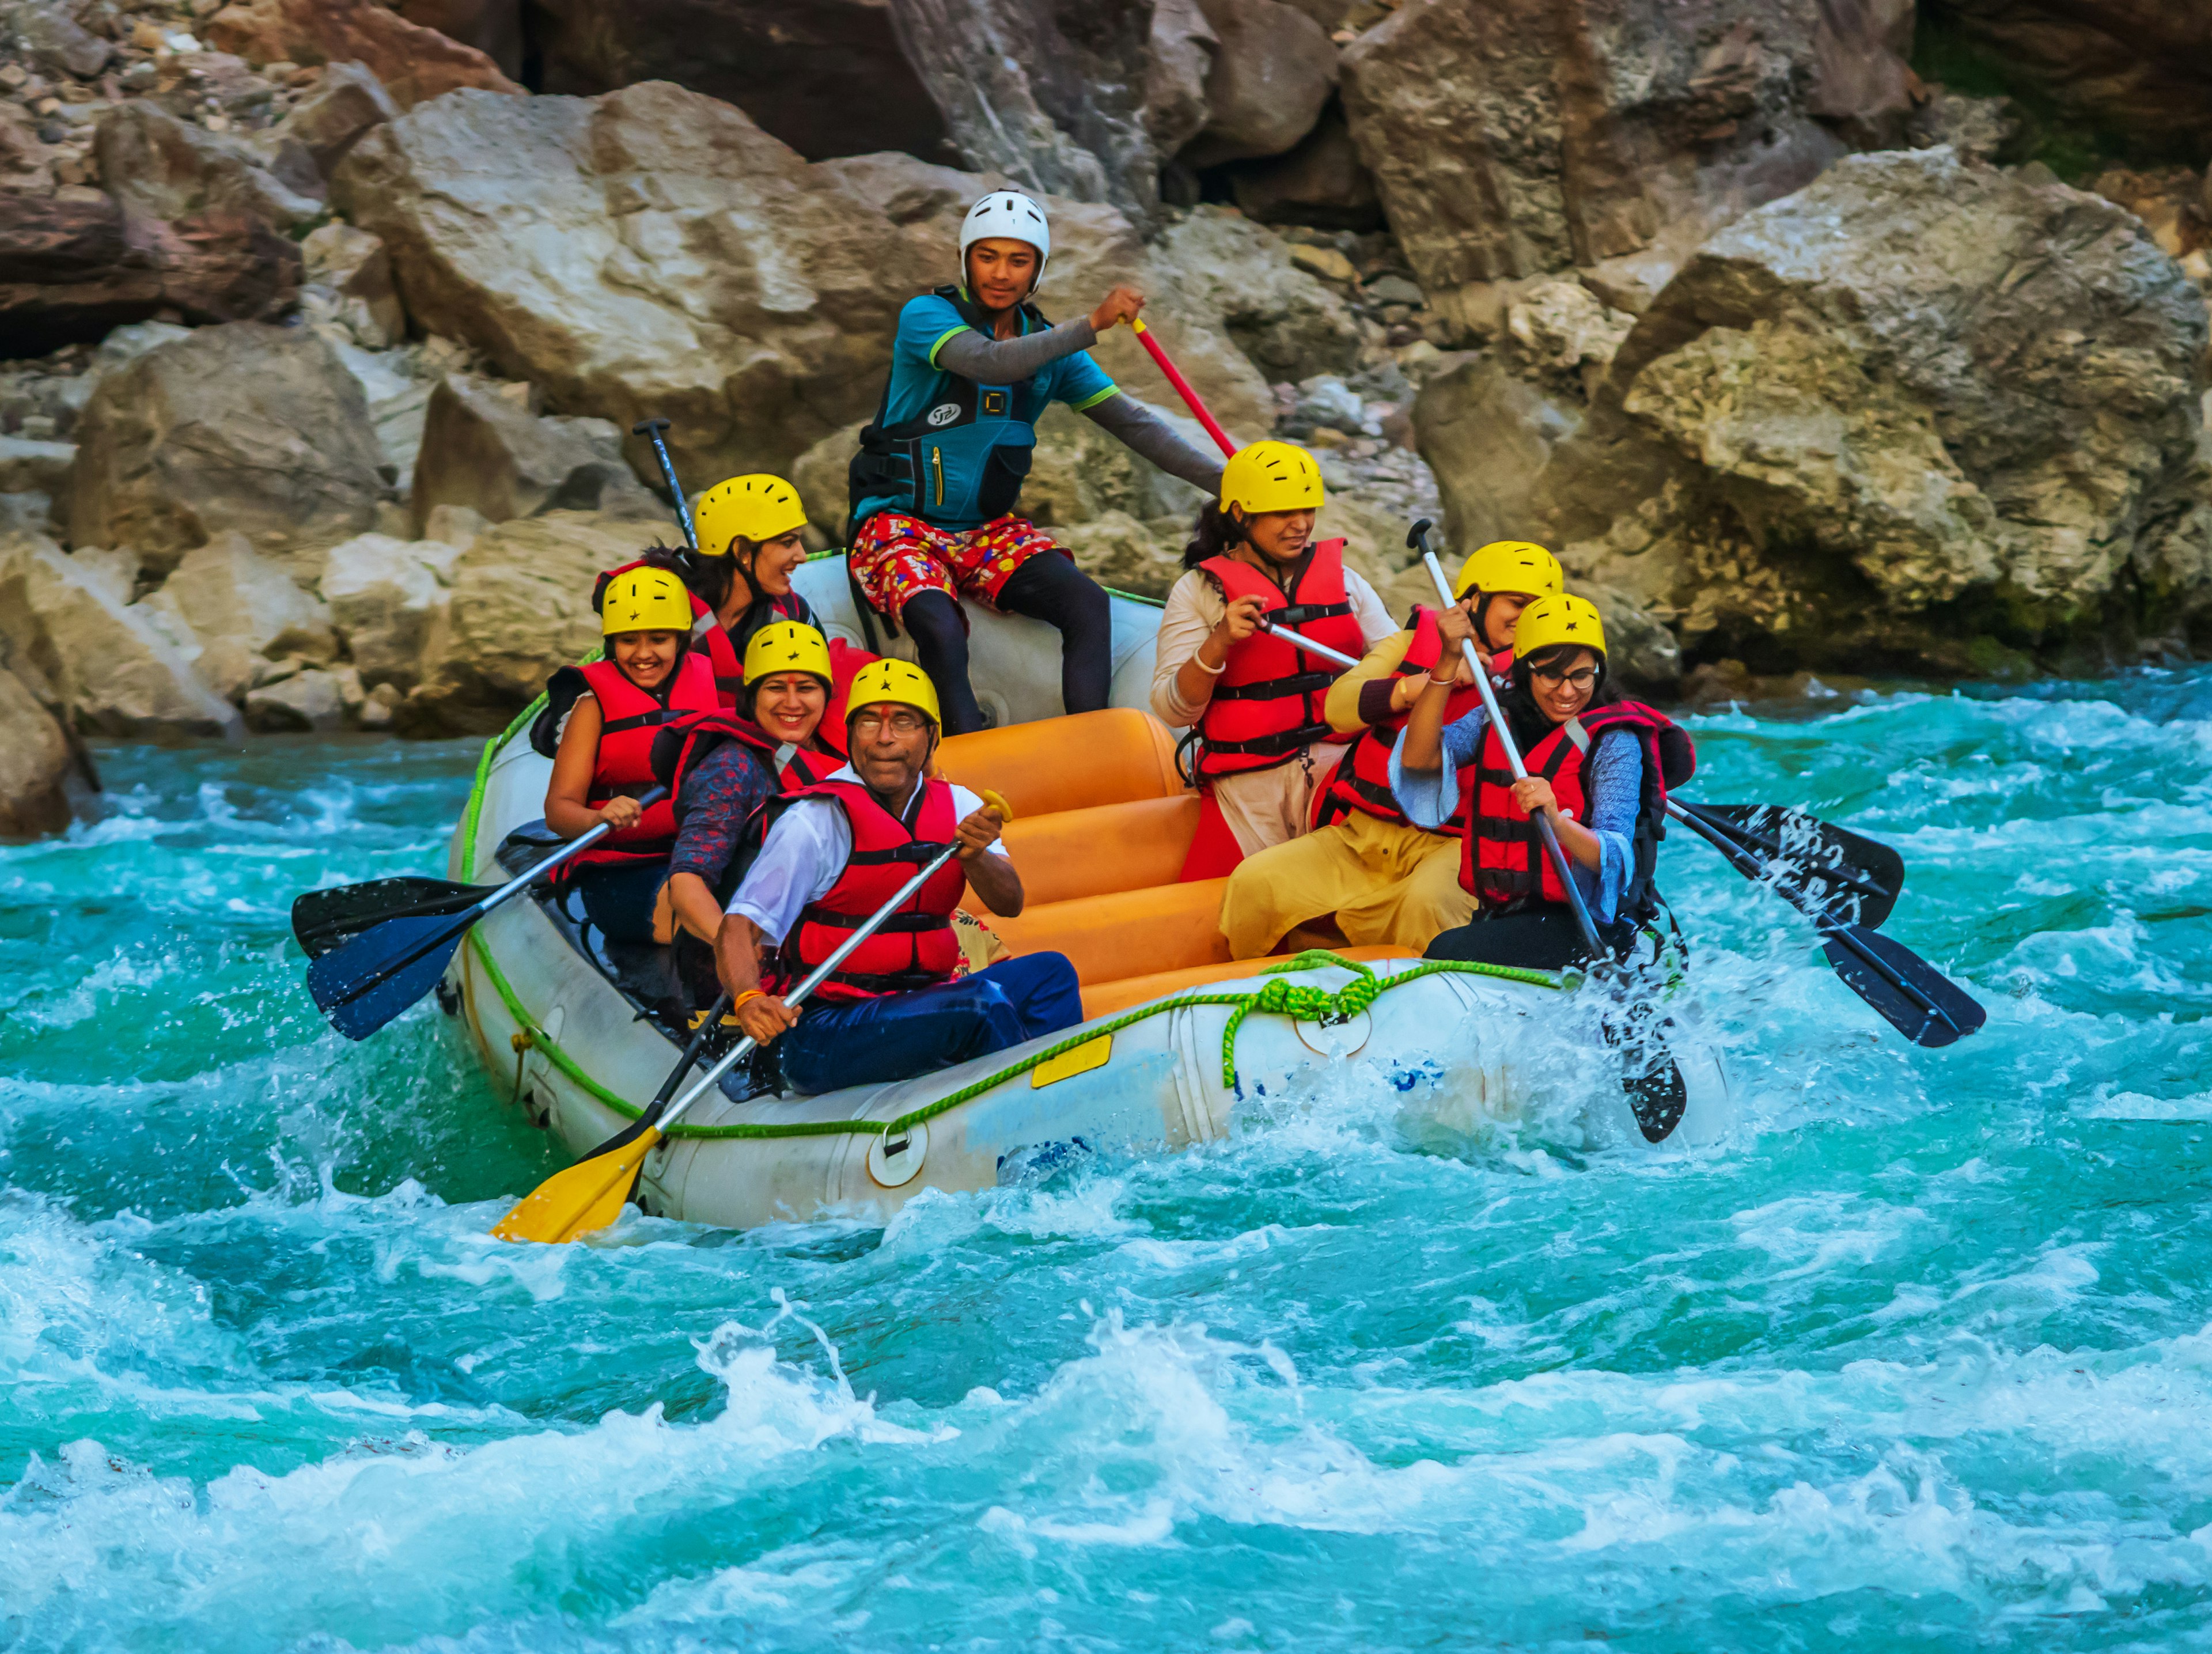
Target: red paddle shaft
(1183,387)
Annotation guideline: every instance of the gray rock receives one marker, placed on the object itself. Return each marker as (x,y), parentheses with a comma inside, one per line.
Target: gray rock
(27,466)
(385,597)
(1182,47)
(59,43)
(494,456)
(1919,413)
(313,700)
(352,267)
(34,763)
(1529,136)
(1322,182)
(1487,435)
(248,427)
(171,169)
(346,104)
(238,603)
(1273,70)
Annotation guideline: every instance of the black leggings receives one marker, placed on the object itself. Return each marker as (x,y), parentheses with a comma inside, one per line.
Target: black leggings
(1536,939)
(1048,587)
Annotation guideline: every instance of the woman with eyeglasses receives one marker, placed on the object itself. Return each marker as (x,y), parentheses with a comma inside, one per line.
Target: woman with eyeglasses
(1599,767)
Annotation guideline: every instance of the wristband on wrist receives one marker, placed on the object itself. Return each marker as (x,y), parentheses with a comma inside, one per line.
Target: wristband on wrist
(1211,672)
(749,994)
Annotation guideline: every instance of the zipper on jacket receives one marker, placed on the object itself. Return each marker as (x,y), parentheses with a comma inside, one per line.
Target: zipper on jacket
(937,465)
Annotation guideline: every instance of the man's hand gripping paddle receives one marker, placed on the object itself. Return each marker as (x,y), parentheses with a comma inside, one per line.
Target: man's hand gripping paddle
(388,963)
(590,1194)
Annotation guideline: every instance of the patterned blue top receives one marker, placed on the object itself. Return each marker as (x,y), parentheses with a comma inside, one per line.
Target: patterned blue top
(1616,787)
(722,790)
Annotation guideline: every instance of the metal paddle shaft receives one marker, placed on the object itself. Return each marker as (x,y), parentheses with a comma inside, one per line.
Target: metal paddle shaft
(1552,848)
(1298,640)
(590,1194)
(363,984)
(651,429)
(1198,409)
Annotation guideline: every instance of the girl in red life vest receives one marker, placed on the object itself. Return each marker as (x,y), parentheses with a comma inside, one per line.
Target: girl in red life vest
(603,759)
(1599,768)
(1255,702)
(1384,880)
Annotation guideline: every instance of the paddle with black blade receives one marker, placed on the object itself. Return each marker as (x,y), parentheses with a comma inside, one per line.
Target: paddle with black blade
(589,1195)
(365,982)
(1655,1087)
(1918,1000)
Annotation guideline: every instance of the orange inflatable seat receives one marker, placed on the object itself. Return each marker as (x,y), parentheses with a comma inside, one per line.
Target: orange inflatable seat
(1074,762)
(1126,933)
(1107,847)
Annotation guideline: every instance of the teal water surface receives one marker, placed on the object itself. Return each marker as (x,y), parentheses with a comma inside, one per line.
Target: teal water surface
(1917,1357)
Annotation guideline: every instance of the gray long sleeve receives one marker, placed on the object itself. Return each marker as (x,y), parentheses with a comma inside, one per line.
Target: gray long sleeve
(1009,362)
(1149,435)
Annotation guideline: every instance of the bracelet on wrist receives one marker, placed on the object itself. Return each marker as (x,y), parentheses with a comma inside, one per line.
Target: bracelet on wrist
(749,994)
(1451,682)
(1199,661)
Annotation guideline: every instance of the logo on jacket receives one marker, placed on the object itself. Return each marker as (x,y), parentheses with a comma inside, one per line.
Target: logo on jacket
(945,413)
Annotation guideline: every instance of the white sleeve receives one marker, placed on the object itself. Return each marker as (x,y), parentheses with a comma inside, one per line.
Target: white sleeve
(1194,609)
(806,849)
(1374,620)
(964,805)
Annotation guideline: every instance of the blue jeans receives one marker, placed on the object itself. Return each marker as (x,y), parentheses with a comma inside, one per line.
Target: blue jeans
(897,1036)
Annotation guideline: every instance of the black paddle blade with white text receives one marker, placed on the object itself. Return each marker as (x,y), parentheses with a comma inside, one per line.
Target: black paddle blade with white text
(323,919)
(1919,1001)
(1823,870)
(364,984)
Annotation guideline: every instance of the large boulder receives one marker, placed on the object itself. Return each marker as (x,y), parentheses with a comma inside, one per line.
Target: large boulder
(74,269)
(68,629)
(167,168)
(240,606)
(1487,434)
(1182,47)
(1521,139)
(647,252)
(520,606)
(1322,182)
(2139,68)
(483,448)
(258,429)
(34,763)
(414,63)
(1919,413)
(385,597)
(492,26)
(828,77)
(1221,274)
(1273,71)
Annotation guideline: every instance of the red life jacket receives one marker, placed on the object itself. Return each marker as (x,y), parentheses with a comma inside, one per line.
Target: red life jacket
(915,947)
(680,745)
(1361,780)
(806,766)
(1503,860)
(1267,703)
(629,718)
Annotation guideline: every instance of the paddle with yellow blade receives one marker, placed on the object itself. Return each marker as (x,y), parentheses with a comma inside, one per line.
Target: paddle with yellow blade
(590,1194)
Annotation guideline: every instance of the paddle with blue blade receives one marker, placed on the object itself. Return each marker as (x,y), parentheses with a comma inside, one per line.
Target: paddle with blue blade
(366,980)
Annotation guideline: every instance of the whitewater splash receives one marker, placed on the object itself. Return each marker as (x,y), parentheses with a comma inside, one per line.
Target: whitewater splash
(1914,1360)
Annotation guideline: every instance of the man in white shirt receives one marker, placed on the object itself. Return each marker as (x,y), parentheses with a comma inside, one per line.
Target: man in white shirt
(832,858)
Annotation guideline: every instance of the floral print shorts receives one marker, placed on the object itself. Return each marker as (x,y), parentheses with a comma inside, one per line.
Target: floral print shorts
(896,557)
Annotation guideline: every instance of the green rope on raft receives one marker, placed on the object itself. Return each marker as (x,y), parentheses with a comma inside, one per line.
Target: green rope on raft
(1303,1001)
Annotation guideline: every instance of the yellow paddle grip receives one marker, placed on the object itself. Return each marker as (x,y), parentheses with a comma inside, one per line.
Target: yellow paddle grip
(997,801)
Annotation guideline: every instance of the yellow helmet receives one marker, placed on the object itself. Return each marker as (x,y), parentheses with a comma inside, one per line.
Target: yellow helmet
(787,646)
(645,600)
(758,507)
(899,681)
(1558,618)
(1510,566)
(1271,477)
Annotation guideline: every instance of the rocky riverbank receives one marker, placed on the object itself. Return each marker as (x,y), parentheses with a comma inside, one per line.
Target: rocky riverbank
(326,321)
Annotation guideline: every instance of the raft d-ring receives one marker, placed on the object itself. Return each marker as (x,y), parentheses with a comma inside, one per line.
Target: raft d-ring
(1337,1038)
(896,1157)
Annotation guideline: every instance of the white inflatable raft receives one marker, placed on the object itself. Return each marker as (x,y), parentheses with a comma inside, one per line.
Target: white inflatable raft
(1179,1035)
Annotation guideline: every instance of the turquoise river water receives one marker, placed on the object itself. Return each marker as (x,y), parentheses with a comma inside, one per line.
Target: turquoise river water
(1917,1357)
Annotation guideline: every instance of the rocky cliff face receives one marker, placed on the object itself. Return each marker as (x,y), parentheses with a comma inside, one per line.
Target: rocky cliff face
(320,335)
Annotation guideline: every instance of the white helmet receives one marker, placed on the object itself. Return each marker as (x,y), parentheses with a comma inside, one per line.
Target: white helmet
(1012,214)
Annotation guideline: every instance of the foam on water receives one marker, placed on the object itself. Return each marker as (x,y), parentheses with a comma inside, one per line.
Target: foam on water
(1917,1357)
